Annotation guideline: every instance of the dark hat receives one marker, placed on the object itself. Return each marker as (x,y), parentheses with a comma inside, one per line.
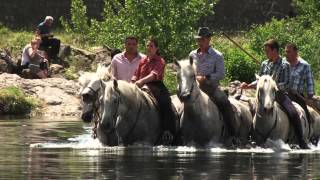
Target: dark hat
(203,32)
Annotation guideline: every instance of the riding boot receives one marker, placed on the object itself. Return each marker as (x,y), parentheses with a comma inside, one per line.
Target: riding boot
(293,116)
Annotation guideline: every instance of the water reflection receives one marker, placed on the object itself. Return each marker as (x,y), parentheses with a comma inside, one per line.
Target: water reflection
(59,157)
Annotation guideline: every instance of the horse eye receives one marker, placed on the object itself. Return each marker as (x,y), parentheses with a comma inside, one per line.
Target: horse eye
(86,97)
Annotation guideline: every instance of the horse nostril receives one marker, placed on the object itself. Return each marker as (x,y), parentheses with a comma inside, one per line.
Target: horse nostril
(86,117)
(108,126)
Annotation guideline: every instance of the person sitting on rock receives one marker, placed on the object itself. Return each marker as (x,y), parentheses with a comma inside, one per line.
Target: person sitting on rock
(35,60)
(25,59)
(50,44)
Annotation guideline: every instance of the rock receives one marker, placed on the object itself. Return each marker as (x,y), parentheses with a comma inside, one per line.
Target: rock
(103,55)
(78,51)
(59,96)
(65,51)
(7,64)
(56,69)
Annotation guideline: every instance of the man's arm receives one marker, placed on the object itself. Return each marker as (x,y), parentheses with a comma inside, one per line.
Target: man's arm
(42,32)
(220,71)
(284,85)
(253,84)
(310,82)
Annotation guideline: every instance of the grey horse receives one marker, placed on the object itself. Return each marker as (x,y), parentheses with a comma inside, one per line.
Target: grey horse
(270,121)
(201,122)
(90,91)
(130,112)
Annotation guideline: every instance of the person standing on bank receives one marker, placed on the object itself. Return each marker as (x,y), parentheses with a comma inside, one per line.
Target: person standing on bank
(210,70)
(281,68)
(51,44)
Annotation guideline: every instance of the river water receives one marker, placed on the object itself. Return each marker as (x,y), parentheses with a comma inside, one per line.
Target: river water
(64,149)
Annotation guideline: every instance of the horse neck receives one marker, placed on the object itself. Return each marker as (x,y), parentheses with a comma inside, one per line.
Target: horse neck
(269,117)
(132,97)
(196,92)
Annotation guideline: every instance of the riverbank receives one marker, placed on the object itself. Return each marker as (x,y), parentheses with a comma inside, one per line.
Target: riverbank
(59,95)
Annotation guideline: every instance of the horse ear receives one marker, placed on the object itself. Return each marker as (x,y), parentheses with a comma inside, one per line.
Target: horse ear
(176,62)
(191,60)
(257,77)
(115,83)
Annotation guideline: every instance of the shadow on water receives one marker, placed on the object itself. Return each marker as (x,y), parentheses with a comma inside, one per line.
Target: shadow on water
(63,149)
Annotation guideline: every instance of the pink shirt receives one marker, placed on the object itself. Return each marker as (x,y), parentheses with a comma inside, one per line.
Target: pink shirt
(122,68)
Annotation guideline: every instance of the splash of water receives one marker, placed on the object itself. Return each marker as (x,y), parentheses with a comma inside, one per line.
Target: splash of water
(86,142)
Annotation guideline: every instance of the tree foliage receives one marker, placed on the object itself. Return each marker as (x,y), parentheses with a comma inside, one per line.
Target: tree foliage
(173,23)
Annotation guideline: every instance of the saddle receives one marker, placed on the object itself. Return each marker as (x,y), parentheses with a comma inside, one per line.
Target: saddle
(153,99)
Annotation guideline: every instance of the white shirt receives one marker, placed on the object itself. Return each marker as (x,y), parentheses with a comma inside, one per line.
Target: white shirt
(122,68)
(25,55)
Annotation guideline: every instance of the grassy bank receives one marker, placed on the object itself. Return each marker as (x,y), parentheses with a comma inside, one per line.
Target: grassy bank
(14,102)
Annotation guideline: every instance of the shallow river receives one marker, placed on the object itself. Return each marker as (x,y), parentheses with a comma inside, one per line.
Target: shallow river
(64,149)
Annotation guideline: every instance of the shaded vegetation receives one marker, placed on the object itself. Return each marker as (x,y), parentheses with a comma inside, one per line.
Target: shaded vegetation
(14,101)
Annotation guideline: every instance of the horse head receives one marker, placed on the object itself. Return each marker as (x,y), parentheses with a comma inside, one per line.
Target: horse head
(90,91)
(186,78)
(266,93)
(90,99)
(111,99)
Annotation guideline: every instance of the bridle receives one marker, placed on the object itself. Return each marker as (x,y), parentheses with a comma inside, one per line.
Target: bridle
(192,87)
(116,113)
(96,114)
(258,113)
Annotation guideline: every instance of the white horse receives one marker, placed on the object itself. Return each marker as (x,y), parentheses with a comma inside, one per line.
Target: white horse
(270,120)
(201,122)
(130,112)
(90,91)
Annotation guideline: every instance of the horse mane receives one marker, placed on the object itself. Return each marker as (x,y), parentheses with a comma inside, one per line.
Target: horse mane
(126,88)
(185,63)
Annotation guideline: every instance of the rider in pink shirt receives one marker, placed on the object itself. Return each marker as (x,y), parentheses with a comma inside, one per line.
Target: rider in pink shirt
(124,64)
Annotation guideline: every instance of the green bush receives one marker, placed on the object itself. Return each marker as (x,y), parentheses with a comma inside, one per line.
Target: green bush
(172,22)
(14,101)
(285,31)
(239,66)
(14,41)
(170,81)
(308,10)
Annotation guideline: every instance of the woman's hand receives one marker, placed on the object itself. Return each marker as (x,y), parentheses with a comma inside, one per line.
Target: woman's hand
(201,79)
(139,83)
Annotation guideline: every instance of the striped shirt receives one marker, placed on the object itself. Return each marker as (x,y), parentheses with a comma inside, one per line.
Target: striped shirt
(210,64)
(301,79)
(281,70)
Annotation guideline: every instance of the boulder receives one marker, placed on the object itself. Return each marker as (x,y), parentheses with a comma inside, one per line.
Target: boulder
(7,64)
(59,96)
